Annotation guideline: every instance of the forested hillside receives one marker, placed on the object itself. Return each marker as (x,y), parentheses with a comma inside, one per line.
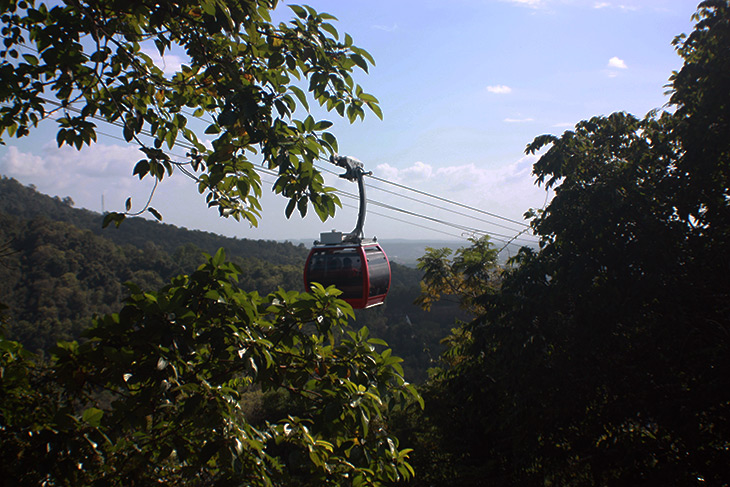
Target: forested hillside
(60,268)
(24,202)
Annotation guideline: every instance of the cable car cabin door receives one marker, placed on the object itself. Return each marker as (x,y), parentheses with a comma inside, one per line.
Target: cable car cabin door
(361,272)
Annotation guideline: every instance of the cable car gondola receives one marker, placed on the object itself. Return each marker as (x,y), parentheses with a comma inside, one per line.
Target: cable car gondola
(357,267)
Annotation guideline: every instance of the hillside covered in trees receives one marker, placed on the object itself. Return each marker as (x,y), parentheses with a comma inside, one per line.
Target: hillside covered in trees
(60,268)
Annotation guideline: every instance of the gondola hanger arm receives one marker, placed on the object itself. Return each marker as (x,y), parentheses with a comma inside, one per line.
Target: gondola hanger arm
(354,172)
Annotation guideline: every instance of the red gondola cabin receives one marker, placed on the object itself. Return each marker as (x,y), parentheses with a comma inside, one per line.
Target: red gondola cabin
(360,271)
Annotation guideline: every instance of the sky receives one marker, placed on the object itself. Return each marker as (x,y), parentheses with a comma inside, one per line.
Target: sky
(464,86)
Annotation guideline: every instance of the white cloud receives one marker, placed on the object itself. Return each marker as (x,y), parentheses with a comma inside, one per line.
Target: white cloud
(519,120)
(617,63)
(417,172)
(386,28)
(17,164)
(84,175)
(563,125)
(506,190)
(528,3)
(65,166)
(457,177)
(499,89)
(169,63)
(623,7)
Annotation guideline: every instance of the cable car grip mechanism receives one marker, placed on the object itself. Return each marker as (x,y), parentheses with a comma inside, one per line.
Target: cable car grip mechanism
(353,172)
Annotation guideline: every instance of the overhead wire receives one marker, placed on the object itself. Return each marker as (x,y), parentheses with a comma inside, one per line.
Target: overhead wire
(385,181)
(442,208)
(463,228)
(391,217)
(433,205)
(424,193)
(511,238)
(468,230)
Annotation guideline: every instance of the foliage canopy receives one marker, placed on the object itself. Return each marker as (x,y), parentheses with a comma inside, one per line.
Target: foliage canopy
(157,392)
(84,62)
(154,393)
(604,357)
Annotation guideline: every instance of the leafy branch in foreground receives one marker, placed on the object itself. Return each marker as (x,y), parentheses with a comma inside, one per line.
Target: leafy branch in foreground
(85,62)
(154,393)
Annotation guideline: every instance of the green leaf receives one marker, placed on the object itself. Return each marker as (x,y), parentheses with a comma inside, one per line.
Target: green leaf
(329,28)
(301,13)
(361,63)
(115,217)
(376,110)
(302,205)
(300,95)
(30,59)
(364,53)
(142,168)
(155,213)
(219,257)
(321,212)
(331,140)
(213,129)
(290,208)
(322,125)
(93,416)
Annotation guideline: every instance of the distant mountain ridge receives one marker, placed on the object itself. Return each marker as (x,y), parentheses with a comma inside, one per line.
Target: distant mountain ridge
(404,251)
(26,202)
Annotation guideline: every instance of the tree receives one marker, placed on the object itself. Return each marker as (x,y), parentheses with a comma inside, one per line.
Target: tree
(445,434)
(604,357)
(466,277)
(153,393)
(92,61)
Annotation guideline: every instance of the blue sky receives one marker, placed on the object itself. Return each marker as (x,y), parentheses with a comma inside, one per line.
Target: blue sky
(464,86)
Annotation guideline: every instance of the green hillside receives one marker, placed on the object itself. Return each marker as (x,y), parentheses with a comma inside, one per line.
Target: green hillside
(26,203)
(60,268)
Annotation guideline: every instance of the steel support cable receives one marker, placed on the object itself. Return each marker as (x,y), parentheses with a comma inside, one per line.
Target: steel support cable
(456,203)
(464,228)
(397,219)
(471,230)
(446,223)
(187,145)
(383,205)
(511,240)
(433,205)
(393,208)
(444,208)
